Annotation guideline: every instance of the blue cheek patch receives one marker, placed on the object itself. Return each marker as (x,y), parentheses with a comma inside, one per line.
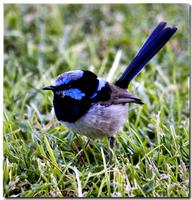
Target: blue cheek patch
(74,93)
(68,77)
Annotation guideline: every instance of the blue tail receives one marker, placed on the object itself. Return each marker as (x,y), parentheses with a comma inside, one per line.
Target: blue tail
(155,41)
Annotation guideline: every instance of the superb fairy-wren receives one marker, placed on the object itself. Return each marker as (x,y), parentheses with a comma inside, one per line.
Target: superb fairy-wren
(90,105)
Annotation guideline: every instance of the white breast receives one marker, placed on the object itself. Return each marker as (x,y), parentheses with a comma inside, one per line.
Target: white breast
(100,121)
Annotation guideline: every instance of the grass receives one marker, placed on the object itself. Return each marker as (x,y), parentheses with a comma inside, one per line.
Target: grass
(151,155)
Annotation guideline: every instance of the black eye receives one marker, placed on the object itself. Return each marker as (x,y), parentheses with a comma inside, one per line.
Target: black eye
(69,86)
(63,87)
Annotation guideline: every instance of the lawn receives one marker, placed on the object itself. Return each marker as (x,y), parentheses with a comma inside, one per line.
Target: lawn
(151,155)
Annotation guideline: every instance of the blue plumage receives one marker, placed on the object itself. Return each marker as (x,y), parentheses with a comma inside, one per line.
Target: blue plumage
(102,83)
(156,40)
(94,95)
(66,78)
(75,93)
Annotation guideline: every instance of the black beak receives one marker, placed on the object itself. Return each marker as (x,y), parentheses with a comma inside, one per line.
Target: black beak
(49,88)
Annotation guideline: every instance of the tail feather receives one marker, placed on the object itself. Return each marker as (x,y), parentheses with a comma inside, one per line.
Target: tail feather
(153,34)
(155,41)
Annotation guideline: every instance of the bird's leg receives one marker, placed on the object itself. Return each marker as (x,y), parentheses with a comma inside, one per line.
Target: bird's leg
(111,145)
(86,143)
(81,154)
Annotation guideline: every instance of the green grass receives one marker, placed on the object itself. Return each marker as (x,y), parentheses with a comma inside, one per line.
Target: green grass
(151,155)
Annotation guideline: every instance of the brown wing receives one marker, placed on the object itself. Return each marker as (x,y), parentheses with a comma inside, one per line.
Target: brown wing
(119,95)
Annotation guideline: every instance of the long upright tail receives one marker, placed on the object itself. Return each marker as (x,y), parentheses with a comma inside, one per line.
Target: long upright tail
(155,41)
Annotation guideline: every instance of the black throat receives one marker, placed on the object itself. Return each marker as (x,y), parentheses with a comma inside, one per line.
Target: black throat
(68,109)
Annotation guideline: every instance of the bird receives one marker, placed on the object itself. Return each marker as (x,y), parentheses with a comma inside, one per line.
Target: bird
(91,106)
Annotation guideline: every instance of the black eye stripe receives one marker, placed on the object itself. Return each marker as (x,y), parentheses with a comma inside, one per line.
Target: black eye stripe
(62,87)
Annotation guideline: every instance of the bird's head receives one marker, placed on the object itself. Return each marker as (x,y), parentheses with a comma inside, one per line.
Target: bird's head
(77,84)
